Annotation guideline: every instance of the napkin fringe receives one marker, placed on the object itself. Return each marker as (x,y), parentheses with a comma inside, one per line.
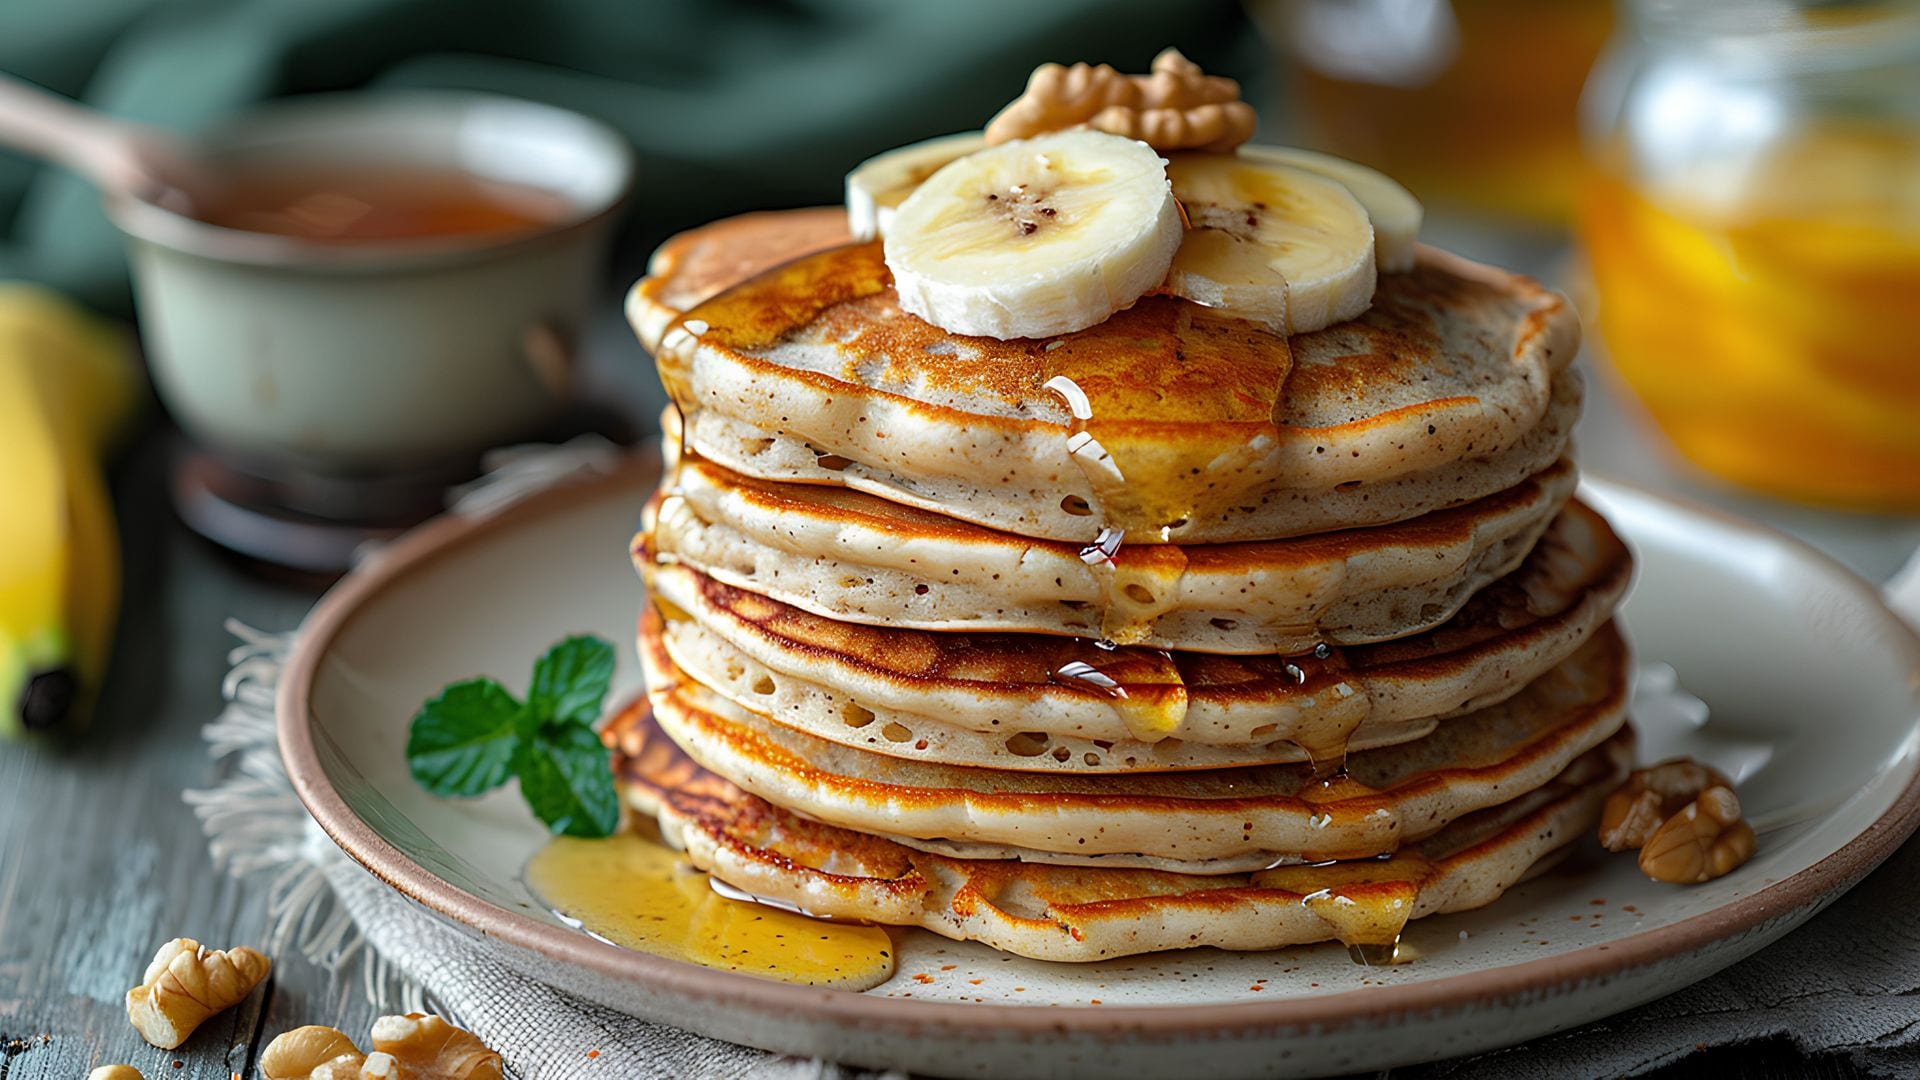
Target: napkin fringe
(254,823)
(256,827)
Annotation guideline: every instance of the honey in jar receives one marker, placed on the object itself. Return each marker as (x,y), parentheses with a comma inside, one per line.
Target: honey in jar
(1472,104)
(1753,232)
(1772,333)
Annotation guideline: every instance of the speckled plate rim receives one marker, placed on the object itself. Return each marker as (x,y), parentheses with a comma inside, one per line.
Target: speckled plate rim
(446,536)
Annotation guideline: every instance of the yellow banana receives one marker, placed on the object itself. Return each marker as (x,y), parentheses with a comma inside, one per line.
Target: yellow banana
(68,386)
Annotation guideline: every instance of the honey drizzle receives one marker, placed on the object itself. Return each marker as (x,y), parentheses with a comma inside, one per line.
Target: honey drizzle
(1127,506)
(680,393)
(1156,706)
(1325,734)
(1141,582)
(1366,902)
(1134,591)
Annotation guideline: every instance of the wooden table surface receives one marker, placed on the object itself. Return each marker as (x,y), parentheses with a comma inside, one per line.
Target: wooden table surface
(101,861)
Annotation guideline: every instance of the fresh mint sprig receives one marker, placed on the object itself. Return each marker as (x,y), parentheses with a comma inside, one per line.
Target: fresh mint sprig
(474,736)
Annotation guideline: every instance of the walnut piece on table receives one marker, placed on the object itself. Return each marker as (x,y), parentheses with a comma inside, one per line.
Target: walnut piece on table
(434,1049)
(312,1053)
(410,1047)
(187,983)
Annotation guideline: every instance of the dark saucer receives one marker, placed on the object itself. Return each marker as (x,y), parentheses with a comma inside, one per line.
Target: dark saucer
(315,523)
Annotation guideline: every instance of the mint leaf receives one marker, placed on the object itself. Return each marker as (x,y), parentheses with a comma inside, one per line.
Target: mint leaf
(475,735)
(570,681)
(462,741)
(567,779)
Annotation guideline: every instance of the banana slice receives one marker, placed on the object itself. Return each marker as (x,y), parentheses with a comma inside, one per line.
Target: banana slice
(1271,243)
(1036,237)
(1394,211)
(883,182)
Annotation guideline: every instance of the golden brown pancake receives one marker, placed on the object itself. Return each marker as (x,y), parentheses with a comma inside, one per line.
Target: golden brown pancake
(1224,818)
(848,555)
(1452,387)
(1063,913)
(691,267)
(823,713)
(1047,702)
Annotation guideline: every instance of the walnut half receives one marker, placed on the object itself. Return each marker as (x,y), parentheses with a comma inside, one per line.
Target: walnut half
(1684,819)
(312,1053)
(433,1049)
(410,1047)
(187,983)
(1177,107)
(1705,840)
(1651,796)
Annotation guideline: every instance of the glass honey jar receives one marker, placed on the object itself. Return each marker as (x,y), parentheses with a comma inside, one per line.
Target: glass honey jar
(1472,104)
(1752,224)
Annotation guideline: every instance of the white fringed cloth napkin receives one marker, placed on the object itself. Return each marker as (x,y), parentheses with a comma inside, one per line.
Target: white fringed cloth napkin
(1847,982)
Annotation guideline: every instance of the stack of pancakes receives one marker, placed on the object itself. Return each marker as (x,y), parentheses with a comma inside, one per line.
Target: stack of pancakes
(1167,632)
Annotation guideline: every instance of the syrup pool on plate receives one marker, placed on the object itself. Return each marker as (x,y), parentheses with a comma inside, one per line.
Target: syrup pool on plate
(636,892)
(1367,902)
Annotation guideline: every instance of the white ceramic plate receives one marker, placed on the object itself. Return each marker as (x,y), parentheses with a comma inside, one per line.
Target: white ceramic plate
(1814,689)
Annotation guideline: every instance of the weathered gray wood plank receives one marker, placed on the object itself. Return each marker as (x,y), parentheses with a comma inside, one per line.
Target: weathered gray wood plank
(101,861)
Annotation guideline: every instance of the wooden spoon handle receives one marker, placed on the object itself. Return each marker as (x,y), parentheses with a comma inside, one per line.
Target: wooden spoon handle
(117,156)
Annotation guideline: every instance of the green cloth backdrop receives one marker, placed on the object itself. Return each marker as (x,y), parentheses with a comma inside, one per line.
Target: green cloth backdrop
(732,104)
